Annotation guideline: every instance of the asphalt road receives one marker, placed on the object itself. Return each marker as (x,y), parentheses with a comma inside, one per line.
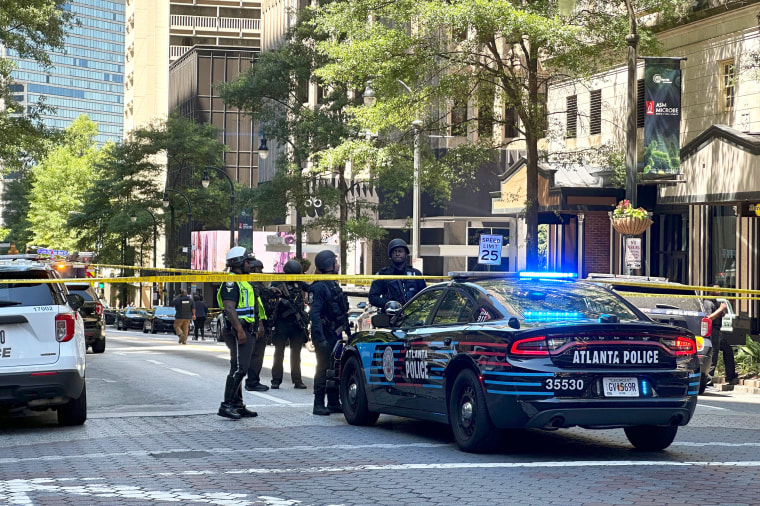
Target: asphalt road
(153,437)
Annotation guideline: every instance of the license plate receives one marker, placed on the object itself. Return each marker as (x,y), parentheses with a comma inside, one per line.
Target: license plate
(621,387)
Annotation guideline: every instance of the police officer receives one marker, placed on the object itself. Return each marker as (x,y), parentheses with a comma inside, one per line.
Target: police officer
(329,319)
(383,291)
(243,327)
(267,298)
(291,323)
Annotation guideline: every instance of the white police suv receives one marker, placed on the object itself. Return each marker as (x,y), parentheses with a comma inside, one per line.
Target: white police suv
(42,343)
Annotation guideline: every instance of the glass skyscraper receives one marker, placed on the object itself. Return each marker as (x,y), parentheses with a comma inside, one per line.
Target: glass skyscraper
(88,78)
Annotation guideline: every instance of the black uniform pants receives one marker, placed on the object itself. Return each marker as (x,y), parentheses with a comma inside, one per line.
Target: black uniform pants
(297,340)
(257,362)
(240,358)
(720,344)
(323,351)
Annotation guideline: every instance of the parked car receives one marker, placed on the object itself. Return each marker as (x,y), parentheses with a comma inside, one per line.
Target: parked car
(160,319)
(109,314)
(354,313)
(131,318)
(215,325)
(663,304)
(42,343)
(92,314)
(489,351)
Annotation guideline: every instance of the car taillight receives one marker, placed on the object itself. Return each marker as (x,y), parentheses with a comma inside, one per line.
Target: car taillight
(680,345)
(706,327)
(532,346)
(64,327)
(99,309)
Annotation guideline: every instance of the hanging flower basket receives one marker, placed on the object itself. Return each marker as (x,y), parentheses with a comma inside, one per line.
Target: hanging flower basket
(628,220)
(628,225)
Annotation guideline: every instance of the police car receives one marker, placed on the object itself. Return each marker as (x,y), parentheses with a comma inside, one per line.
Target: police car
(535,350)
(42,342)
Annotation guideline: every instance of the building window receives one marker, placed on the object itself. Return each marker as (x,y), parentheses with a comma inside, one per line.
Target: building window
(595,113)
(572,117)
(727,84)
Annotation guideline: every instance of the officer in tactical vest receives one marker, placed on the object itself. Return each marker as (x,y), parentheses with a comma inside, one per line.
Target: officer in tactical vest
(329,319)
(383,291)
(291,324)
(268,298)
(242,328)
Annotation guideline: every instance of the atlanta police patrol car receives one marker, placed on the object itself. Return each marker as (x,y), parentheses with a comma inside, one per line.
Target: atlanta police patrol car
(481,352)
(42,343)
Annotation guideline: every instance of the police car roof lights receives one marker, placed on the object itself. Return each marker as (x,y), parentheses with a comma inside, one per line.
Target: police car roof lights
(548,275)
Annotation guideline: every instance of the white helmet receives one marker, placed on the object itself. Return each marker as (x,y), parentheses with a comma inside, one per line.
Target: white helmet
(236,256)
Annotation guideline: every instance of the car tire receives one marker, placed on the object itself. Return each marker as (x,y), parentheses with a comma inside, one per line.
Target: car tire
(99,346)
(702,383)
(353,395)
(468,414)
(145,329)
(153,329)
(651,438)
(75,411)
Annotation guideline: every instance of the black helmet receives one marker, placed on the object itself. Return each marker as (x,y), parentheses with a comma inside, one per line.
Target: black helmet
(325,260)
(397,243)
(236,256)
(392,307)
(292,267)
(255,263)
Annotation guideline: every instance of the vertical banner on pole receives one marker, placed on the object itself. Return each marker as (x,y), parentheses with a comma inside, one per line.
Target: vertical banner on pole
(662,120)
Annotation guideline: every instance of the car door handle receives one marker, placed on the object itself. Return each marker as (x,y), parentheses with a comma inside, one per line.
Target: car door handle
(446,343)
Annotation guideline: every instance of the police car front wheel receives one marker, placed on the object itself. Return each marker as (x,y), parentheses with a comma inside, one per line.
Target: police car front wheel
(353,396)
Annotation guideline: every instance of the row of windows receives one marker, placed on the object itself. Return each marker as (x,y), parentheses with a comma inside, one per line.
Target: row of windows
(99,35)
(97,13)
(102,5)
(67,92)
(63,123)
(64,81)
(78,104)
(114,119)
(94,44)
(595,114)
(101,25)
(71,71)
(117,57)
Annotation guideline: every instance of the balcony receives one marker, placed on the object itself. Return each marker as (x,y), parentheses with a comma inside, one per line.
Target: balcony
(209,24)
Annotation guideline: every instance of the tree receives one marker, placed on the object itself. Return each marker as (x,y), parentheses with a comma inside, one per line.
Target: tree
(16,192)
(495,55)
(28,29)
(59,184)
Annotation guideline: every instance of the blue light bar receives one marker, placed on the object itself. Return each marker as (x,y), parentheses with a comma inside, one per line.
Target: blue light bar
(554,275)
(551,316)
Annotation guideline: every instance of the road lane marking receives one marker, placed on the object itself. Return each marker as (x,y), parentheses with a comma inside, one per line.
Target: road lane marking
(155,362)
(269,397)
(711,407)
(182,371)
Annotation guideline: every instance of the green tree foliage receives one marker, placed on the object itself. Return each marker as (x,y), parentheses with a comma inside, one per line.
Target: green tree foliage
(480,53)
(60,182)
(28,28)
(16,192)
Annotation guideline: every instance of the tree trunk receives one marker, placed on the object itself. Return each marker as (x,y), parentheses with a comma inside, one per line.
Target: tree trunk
(533,132)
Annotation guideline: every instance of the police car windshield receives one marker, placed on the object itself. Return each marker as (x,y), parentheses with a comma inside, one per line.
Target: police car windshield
(541,302)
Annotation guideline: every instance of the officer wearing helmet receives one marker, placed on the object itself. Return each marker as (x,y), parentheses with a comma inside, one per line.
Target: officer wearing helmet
(329,319)
(382,291)
(268,299)
(291,324)
(244,315)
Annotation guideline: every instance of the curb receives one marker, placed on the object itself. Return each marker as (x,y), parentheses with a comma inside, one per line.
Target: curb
(745,386)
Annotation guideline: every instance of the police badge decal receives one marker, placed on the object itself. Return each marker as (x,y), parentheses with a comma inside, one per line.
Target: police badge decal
(388,367)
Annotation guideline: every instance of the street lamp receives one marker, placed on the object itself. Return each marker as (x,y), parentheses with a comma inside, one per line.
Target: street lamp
(263,150)
(189,220)
(205,182)
(369,100)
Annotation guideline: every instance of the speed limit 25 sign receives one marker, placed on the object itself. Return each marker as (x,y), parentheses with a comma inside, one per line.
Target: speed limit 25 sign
(490,249)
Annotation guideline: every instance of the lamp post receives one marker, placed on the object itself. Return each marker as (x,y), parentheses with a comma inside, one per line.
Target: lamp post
(630,151)
(189,219)
(369,100)
(205,182)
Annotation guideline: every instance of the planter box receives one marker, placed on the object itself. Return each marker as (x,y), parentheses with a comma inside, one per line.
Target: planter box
(631,226)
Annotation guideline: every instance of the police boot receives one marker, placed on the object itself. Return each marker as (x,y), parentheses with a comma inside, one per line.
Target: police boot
(319,408)
(240,408)
(333,403)
(227,409)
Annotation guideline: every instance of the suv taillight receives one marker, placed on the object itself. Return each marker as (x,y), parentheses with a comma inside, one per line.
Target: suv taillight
(99,309)
(706,327)
(64,327)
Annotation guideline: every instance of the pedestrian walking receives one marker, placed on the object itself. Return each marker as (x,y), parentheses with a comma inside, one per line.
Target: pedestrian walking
(291,326)
(241,330)
(201,313)
(382,291)
(184,312)
(329,319)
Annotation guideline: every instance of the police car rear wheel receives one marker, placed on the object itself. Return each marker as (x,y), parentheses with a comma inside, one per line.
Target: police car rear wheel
(353,396)
(468,415)
(651,438)
(75,411)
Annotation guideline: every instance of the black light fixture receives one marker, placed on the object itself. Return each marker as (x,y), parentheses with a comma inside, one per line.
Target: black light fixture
(133,217)
(369,95)
(263,150)
(165,202)
(205,180)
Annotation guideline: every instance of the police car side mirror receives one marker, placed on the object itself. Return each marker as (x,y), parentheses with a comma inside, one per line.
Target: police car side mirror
(75,300)
(381,320)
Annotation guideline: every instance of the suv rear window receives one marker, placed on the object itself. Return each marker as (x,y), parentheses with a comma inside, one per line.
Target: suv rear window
(28,294)
(660,297)
(86,291)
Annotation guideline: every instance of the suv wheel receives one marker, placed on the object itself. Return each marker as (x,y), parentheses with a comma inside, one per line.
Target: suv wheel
(75,411)
(99,346)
